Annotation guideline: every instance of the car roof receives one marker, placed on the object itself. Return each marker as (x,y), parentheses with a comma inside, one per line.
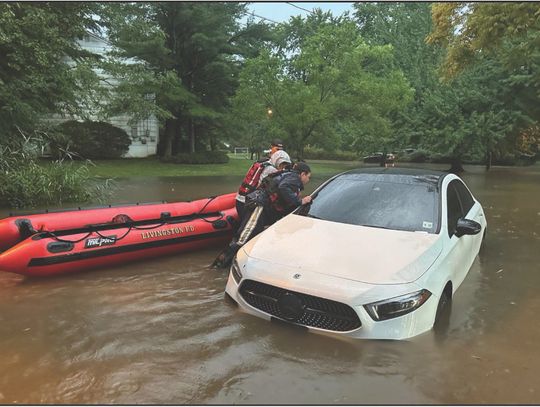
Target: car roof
(397,175)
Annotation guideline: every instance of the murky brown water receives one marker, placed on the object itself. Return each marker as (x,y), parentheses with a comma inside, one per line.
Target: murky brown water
(161,332)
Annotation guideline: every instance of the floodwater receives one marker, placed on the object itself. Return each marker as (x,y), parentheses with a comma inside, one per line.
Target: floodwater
(160,331)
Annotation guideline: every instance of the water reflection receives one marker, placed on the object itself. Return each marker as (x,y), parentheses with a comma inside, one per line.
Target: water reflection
(161,332)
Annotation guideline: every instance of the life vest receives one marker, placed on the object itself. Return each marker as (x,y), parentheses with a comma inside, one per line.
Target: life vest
(270,184)
(251,180)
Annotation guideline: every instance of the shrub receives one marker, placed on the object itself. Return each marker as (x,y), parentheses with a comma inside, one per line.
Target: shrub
(27,182)
(93,139)
(311,153)
(206,157)
(418,156)
(32,184)
(439,158)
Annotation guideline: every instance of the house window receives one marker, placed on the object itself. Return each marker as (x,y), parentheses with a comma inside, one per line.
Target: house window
(134,133)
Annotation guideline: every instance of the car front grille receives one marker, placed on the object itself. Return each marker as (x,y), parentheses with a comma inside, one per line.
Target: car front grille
(300,308)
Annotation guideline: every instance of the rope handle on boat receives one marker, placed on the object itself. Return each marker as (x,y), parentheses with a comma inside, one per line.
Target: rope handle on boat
(131,226)
(59,239)
(206,204)
(204,207)
(116,239)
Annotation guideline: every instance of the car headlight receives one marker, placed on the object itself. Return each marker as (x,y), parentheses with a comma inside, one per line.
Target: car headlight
(235,270)
(397,306)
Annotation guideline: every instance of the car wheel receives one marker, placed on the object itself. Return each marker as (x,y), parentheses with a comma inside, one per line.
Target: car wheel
(444,309)
(229,300)
(483,244)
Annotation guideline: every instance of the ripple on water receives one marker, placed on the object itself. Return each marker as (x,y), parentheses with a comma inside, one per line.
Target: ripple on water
(160,332)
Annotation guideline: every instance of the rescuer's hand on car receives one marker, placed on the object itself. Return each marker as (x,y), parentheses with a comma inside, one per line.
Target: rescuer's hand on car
(306,200)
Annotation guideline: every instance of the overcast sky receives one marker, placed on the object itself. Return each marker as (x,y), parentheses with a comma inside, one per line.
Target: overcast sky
(282,11)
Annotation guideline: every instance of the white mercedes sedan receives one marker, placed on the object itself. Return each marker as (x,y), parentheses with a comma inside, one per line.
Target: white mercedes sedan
(378,254)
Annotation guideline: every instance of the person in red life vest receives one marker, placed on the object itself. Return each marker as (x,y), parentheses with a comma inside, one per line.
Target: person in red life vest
(254,175)
(277,196)
(279,161)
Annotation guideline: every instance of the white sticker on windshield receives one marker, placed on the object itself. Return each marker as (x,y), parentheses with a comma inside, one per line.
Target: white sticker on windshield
(427,225)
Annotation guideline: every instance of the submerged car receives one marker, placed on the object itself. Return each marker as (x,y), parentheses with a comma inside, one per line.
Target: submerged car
(378,254)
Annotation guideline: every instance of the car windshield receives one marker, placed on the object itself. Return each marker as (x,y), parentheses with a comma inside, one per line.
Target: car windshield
(411,206)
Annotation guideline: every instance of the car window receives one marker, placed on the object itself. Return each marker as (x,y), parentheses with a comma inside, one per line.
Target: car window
(454,208)
(467,201)
(390,205)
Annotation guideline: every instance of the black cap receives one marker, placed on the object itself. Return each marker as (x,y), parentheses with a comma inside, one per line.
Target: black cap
(277,142)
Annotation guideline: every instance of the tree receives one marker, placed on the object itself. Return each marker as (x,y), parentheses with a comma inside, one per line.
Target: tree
(320,75)
(467,118)
(404,26)
(191,54)
(37,74)
(469,29)
(504,37)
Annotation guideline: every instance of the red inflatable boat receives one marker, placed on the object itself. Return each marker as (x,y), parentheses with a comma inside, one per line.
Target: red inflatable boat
(55,243)
(17,228)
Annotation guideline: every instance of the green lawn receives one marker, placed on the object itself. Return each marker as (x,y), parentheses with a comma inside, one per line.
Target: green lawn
(152,167)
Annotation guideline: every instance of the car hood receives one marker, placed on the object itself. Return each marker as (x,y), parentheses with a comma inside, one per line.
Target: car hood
(358,253)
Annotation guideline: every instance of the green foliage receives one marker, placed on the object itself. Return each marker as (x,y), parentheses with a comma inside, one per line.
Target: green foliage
(27,182)
(404,26)
(322,77)
(498,42)
(191,55)
(482,110)
(417,156)
(311,153)
(469,29)
(94,139)
(37,43)
(206,157)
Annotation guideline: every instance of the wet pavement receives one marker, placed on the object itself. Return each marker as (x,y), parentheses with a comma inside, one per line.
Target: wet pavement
(160,331)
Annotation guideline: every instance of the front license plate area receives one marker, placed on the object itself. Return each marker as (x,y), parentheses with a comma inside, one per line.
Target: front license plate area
(288,324)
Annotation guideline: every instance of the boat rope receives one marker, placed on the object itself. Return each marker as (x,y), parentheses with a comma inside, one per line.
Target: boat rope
(130,228)
(114,237)
(152,227)
(130,225)
(204,207)
(59,239)
(206,204)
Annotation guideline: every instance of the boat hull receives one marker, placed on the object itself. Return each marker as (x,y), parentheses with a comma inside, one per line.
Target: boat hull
(15,229)
(44,254)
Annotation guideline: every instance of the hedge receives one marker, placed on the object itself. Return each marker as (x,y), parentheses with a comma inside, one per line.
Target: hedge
(92,139)
(320,154)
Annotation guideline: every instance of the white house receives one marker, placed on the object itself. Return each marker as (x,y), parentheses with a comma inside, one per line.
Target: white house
(145,133)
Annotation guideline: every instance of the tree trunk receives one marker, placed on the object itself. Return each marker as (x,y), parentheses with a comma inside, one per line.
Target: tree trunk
(488,160)
(170,130)
(382,163)
(191,136)
(456,166)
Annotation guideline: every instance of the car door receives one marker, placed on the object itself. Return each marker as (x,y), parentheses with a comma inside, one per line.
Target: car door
(473,211)
(459,252)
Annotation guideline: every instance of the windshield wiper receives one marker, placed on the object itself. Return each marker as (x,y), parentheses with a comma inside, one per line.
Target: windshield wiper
(309,215)
(378,227)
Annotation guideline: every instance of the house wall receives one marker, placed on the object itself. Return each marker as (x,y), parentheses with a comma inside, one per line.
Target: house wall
(145,133)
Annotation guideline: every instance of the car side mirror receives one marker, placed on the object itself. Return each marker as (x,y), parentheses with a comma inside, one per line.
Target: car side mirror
(467,227)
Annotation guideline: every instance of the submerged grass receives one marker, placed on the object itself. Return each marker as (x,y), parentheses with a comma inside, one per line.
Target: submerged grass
(152,167)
